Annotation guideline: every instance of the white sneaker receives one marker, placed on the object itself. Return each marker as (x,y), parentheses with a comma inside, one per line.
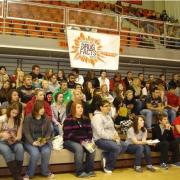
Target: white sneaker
(107,171)
(26,177)
(50,176)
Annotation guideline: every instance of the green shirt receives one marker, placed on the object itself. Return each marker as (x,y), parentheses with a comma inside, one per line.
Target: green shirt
(67,95)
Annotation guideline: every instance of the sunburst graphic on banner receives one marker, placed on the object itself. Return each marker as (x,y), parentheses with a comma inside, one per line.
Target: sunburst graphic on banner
(89,50)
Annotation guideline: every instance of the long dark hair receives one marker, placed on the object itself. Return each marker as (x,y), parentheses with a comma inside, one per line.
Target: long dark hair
(9,95)
(17,106)
(37,106)
(135,124)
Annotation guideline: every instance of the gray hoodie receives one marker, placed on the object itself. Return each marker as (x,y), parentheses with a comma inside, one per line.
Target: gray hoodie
(102,126)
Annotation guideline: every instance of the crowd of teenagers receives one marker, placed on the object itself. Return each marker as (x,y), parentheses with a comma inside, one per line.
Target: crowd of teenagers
(37,107)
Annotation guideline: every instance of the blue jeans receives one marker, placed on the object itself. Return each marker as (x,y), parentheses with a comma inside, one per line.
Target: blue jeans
(140,150)
(149,115)
(111,151)
(36,153)
(171,115)
(79,152)
(12,152)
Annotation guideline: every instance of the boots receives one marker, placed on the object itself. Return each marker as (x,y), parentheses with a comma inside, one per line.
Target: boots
(19,166)
(14,170)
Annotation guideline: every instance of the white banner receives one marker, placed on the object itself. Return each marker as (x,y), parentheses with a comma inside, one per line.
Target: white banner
(93,50)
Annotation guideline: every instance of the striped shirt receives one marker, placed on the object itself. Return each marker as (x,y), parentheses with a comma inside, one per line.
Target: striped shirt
(77,129)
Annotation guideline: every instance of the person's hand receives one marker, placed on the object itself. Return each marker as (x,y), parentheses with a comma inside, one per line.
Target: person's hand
(168,126)
(144,142)
(116,137)
(5,135)
(58,124)
(36,143)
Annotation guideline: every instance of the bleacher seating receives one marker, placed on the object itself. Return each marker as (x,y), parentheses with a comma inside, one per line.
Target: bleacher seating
(63,160)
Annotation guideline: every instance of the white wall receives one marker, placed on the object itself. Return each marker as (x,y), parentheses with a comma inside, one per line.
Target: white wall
(173,8)
(159,6)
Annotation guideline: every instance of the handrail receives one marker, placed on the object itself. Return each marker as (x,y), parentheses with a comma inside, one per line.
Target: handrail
(78,10)
(36,5)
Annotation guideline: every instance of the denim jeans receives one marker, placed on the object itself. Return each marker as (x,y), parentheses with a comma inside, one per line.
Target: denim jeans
(36,153)
(111,151)
(140,150)
(12,152)
(79,152)
(171,115)
(149,115)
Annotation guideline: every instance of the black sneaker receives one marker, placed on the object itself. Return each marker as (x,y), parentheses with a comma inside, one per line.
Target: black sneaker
(83,175)
(164,166)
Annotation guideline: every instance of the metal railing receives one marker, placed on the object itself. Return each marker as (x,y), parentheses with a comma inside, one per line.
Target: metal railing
(50,21)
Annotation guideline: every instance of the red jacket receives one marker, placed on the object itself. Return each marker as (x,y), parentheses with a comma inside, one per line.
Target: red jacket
(172,100)
(29,107)
(112,84)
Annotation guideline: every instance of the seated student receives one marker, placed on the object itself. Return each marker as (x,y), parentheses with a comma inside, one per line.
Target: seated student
(173,103)
(164,133)
(37,133)
(176,124)
(130,102)
(10,136)
(106,137)
(78,97)
(58,113)
(138,145)
(39,95)
(77,129)
(67,94)
(71,81)
(6,87)
(79,78)
(53,83)
(12,97)
(154,106)
(26,91)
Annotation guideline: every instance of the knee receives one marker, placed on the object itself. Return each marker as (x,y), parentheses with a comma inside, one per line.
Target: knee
(149,113)
(79,150)
(139,148)
(116,149)
(19,148)
(147,149)
(35,155)
(46,152)
(7,153)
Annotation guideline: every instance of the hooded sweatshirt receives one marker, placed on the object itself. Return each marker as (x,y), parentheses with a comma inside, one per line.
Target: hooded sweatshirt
(103,126)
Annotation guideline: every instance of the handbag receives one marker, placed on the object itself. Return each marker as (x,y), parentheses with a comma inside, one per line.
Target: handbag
(57,143)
